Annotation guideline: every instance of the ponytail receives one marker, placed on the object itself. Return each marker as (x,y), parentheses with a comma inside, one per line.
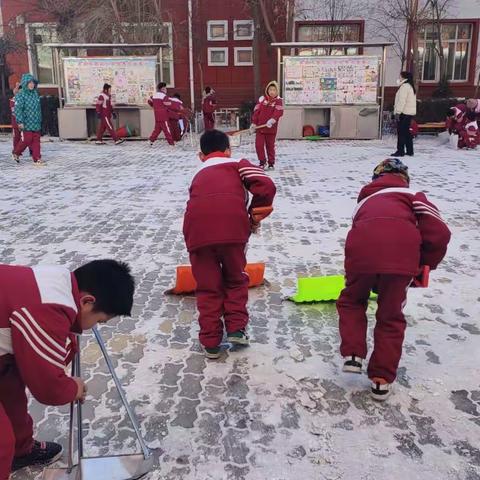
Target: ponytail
(409,78)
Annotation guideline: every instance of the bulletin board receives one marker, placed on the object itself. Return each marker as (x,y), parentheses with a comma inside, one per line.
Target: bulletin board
(132,79)
(331,80)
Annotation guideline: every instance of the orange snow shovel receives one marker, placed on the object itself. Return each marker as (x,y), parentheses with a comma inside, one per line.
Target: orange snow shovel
(185,283)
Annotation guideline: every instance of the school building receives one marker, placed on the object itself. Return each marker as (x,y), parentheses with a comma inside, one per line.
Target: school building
(211,43)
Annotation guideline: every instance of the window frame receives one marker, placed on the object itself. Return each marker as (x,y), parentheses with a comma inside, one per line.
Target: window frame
(236,62)
(217,22)
(236,23)
(209,57)
(32,60)
(423,42)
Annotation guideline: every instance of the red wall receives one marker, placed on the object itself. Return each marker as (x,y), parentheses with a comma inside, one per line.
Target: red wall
(233,84)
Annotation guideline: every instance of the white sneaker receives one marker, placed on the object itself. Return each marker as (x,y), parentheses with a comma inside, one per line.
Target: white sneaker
(16,157)
(352,364)
(100,142)
(380,392)
(119,141)
(39,163)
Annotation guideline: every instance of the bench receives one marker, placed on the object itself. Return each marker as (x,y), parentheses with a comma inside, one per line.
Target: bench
(5,126)
(431,126)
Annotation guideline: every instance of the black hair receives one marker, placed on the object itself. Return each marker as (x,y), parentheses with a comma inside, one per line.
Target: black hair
(161,85)
(106,86)
(214,141)
(110,282)
(451,112)
(409,77)
(208,89)
(177,95)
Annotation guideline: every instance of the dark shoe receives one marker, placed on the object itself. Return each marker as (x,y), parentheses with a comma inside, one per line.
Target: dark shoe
(353,364)
(240,337)
(410,154)
(271,167)
(397,154)
(212,353)
(262,166)
(120,141)
(43,453)
(16,157)
(381,389)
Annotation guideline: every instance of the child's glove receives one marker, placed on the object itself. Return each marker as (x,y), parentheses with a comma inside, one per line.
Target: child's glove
(252,128)
(114,115)
(271,122)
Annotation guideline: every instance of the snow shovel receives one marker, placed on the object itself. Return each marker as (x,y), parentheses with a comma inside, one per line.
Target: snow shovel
(115,467)
(234,133)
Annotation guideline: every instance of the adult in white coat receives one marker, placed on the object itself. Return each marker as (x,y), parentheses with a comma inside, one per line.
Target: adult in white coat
(405,109)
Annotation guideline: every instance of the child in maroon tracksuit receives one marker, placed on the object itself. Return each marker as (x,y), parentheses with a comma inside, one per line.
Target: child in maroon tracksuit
(217,225)
(161,104)
(209,105)
(104,110)
(395,232)
(266,115)
(176,117)
(468,133)
(42,308)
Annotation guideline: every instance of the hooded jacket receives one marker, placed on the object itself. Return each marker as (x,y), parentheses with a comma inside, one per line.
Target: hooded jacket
(27,105)
(395,230)
(266,108)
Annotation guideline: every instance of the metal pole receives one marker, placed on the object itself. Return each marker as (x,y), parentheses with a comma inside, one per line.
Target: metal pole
(145,450)
(279,69)
(382,90)
(79,406)
(190,57)
(70,428)
(59,75)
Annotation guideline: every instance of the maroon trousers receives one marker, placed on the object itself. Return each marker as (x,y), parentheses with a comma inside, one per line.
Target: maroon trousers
(106,124)
(209,120)
(222,290)
(16,426)
(17,137)
(30,140)
(389,329)
(162,126)
(265,141)
(175,130)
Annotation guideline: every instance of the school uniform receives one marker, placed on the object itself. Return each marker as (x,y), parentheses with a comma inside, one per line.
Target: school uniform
(104,110)
(268,109)
(395,230)
(161,104)
(216,229)
(209,105)
(38,312)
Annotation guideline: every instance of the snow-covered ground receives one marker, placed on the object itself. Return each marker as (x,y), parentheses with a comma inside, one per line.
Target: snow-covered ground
(280,409)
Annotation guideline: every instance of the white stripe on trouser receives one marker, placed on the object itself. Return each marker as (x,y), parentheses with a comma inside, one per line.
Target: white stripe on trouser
(108,123)
(168,128)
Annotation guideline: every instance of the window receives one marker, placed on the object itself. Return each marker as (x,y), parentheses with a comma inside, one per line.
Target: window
(329,32)
(41,57)
(243,29)
(243,56)
(455,41)
(217,30)
(154,33)
(218,57)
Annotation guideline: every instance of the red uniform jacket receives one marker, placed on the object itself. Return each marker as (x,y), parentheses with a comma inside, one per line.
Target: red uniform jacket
(38,307)
(265,109)
(395,230)
(12,113)
(161,104)
(209,104)
(104,105)
(217,211)
(457,121)
(175,111)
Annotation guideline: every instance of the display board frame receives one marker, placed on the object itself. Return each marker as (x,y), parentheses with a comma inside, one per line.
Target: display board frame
(123,90)
(297,58)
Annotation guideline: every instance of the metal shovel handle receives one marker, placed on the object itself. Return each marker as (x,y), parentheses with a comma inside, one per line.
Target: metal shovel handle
(131,415)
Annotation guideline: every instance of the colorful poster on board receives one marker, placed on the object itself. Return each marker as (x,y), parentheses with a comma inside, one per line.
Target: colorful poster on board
(132,79)
(331,80)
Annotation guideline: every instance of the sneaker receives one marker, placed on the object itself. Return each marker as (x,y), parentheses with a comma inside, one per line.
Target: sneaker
(43,453)
(397,154)
(271,167)
(152,143)
(119,141)
(100,142)
(381,389)
(240,337)
(262,166)
(212,353)
(16,157)
(39,163)
(353,364)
